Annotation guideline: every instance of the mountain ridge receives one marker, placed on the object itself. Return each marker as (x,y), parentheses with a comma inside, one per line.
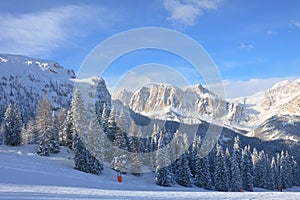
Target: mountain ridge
(25,81)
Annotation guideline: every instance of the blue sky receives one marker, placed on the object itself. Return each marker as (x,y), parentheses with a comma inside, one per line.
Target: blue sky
(253,43)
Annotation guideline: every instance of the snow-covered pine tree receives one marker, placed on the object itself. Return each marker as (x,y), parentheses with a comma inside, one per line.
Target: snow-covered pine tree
(134,146)
(84,160)
(228,166)
(12,126)
(236,177)
(69,130)
(44,127)
(1,133)
(193,154)
(153,147)
(95,145)
(203,176)
(212,163)
(273,174)
(238,151)
(269,179)
(54,140)
(164,176)
(123,121)
(255,160)
(184,176)
(80,157)
(221,172)
(289,170)
(79,121)
(79,114)
(260,173)
(296,173)
(107,142)
(247,169)
(104,118)
(176,151)
(62,121)
(148,149)
(96,139)
(112,127)
(30,133)
(119,139)
(183,172)
(279,170)
(284,170)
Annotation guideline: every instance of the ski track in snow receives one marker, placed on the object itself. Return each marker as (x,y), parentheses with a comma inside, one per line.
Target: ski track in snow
(24,175)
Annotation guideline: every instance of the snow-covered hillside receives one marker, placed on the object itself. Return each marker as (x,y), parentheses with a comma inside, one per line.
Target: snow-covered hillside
(284,127)
(25,175)
(282,99)
(24,81)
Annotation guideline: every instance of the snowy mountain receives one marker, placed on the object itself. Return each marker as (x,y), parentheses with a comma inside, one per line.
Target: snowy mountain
(24,81)
(282,99)
(283,127)
(195,104)
(166,102)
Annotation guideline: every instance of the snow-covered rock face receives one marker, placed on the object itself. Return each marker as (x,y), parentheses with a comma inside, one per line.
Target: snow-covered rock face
(22,65)
(94,93)
(166,102)
(284,127)
(194,104)
(282,99)
(24,81)
(124,95)
(156,98)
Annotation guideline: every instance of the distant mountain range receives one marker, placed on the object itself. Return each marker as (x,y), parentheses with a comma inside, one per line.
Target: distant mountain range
(196,104)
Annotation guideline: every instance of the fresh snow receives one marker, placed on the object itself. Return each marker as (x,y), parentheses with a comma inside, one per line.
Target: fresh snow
(25,81)
(25,66)
(278,100)
(25,175)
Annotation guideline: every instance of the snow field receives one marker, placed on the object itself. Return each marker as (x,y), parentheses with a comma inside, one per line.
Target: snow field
(25,175)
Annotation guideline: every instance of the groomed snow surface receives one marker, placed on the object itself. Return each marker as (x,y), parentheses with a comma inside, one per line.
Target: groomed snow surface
(25,175)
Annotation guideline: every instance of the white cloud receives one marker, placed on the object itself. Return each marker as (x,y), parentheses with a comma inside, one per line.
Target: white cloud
(146,74)
(246,46)
(186,12)
(295,24)
(270,32)
(41,32)
(235,89)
